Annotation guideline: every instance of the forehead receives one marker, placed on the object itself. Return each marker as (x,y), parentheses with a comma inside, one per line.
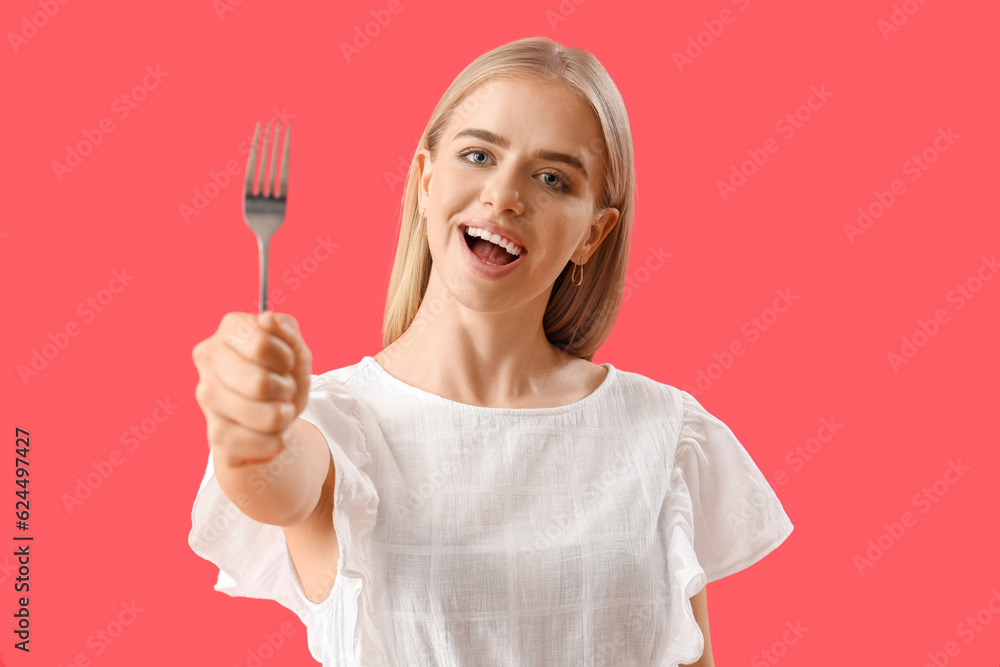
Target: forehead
(532,115)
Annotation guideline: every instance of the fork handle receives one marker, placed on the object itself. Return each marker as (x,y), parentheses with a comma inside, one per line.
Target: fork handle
(262,245)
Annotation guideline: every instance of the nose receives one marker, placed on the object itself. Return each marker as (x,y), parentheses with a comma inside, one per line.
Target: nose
(501,192)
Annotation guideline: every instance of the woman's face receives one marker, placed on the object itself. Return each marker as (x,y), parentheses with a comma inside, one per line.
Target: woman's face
(527,158)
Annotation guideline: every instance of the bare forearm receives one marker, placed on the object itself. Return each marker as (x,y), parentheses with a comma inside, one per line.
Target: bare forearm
(699,605)
(282,491)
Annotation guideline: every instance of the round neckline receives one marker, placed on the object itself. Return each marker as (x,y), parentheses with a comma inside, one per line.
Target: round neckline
(487,410)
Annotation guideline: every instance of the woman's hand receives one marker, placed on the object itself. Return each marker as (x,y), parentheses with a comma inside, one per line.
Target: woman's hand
(253,381)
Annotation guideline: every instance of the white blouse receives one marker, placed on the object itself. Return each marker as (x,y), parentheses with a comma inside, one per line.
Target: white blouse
(573,535)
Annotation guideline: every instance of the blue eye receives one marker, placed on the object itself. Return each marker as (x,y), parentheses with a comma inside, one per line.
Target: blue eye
(563,184)
(474,151)
(558,180)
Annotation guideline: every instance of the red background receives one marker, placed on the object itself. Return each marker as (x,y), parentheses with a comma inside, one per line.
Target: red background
(826,357)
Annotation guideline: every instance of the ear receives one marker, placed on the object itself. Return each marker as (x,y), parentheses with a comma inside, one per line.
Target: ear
(598,232)
(426,166)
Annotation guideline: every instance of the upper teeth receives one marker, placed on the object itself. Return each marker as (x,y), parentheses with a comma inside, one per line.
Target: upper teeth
(501,241)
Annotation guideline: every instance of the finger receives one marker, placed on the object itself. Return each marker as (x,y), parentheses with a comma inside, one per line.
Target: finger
(265,417)
(240,445)
(259,345)
(285,326)
(249,379)
(282,326)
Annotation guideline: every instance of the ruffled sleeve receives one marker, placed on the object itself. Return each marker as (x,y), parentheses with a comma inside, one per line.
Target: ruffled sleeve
(735,517)
(253,557)
(723,517)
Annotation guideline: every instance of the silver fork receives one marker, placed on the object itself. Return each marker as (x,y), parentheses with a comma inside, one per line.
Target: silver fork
(264,210)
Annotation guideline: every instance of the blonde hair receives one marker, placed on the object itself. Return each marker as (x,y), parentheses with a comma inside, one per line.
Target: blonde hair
(576,319)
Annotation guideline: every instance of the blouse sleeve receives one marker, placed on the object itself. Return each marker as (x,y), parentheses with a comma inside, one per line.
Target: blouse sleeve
(733,517)
(253,557)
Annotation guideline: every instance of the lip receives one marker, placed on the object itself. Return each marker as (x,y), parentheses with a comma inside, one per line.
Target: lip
(494,229)
(481,267)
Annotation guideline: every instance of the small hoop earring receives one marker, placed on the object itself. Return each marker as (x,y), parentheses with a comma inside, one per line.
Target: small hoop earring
(422,218)
(573,273)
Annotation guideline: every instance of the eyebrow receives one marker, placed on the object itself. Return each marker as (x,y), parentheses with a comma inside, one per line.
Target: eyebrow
(502,142)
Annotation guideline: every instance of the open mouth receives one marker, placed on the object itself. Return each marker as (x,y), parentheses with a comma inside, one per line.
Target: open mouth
(488,251)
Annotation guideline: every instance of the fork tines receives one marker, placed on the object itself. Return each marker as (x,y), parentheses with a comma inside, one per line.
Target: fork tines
(275,184)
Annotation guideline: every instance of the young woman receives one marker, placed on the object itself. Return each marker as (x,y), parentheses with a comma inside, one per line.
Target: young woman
(479,492)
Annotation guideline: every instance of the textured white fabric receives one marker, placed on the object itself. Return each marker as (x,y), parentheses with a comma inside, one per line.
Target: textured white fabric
(573,535)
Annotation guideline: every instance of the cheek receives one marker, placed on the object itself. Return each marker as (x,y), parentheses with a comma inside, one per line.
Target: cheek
(454,195)
(563,210)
